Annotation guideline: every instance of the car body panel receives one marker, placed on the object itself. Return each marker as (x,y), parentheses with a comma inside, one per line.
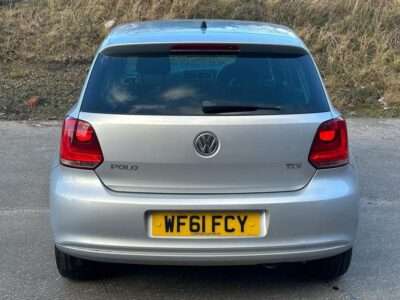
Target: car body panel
(91,221)
(190,31)
(267,153)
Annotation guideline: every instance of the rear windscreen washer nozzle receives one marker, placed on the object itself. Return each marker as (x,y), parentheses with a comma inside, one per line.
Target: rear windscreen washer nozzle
(203,26)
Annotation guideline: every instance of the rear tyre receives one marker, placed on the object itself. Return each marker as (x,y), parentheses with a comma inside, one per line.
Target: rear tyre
(331,267)
(72,267)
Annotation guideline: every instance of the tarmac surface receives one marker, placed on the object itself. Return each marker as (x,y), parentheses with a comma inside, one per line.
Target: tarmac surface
(28,271)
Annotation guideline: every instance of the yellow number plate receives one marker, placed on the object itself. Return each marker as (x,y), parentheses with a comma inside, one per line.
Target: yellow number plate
(191,224)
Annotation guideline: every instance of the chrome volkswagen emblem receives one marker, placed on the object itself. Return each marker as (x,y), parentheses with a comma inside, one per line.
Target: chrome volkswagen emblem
(206,144)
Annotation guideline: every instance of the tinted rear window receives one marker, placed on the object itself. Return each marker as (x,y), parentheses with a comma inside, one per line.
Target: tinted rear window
(181,84)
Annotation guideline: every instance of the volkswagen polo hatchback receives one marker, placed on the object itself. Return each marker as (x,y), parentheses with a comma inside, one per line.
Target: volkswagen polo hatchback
(203,143)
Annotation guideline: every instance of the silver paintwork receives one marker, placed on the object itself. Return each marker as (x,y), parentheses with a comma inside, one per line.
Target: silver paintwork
(253,155)
(188,31)
(90,221)
(103,214)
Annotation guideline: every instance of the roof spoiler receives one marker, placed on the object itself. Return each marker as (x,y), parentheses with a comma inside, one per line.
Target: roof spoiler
(135,49)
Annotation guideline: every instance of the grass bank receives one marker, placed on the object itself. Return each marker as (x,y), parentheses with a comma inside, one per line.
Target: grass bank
(46,46)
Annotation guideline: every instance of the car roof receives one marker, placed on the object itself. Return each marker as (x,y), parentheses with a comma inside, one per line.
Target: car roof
(202,31)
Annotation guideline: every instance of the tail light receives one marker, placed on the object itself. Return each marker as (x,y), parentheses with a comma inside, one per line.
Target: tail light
(330,145)
(79,145)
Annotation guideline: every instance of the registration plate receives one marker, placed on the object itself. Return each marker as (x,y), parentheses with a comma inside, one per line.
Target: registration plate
(197,224)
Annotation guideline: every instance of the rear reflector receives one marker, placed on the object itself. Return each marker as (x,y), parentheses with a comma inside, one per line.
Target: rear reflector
(205,48)
(79,145)
(330,145)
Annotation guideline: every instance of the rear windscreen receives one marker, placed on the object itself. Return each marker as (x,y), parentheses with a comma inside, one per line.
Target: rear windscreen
(183,84)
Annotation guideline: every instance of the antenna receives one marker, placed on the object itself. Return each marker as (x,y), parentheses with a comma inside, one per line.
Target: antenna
(203,26)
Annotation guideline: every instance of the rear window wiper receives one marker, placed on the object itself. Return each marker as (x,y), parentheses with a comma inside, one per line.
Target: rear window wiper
(219,109)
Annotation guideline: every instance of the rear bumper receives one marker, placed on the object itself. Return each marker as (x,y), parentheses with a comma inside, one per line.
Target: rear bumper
(207,257)
(92,222)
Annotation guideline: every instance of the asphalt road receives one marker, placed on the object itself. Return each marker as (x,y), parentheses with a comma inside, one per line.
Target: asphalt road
(27,268)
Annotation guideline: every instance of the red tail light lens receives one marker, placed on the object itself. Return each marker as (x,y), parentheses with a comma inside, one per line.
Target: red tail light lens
(79,145)
(330,146)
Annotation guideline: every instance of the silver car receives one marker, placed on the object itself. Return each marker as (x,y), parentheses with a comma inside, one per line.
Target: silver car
(203,143)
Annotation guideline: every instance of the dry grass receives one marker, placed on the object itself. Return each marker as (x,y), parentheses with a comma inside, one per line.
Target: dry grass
(356,44)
